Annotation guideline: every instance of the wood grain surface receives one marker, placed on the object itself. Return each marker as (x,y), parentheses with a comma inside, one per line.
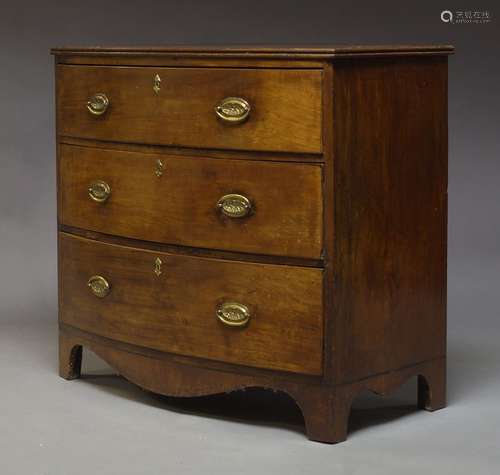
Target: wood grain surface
(390,139)
(342,262)
(180,206)
(285,107)
(323,51)
(176,311)
(325,409)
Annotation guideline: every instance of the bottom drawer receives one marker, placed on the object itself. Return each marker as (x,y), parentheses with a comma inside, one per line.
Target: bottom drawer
(262,315)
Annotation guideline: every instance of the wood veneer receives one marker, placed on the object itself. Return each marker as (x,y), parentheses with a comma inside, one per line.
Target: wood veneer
(179,207)
(285,115)
(174,311)
(349,281)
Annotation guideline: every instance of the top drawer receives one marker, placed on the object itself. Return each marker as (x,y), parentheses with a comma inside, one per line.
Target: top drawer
(177,106)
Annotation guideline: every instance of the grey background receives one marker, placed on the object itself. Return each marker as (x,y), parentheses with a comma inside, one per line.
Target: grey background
(102,424)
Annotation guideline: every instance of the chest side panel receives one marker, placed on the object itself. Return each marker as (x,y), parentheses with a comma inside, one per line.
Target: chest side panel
(390,159)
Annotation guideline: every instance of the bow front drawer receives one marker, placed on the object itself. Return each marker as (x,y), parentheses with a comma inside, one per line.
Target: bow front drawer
(235,205)
(250,314)
(247,109)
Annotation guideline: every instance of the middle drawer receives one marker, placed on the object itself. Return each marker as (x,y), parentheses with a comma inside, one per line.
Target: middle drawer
(236,205)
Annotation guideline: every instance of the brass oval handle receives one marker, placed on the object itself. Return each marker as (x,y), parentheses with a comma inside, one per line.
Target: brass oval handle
(99,286)
(233,314)
(98,104)
(234,205)
(99,191)
(233,110)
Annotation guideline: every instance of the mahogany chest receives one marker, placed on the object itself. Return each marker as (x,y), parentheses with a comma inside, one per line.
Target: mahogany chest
(256,217)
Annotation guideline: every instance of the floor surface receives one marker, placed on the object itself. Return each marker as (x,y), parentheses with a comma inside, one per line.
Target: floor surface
(103,424)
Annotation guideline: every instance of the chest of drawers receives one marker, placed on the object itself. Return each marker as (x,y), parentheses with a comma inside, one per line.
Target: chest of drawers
(256,217)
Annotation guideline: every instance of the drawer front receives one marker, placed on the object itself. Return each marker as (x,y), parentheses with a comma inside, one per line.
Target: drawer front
(180,108)
(178,305)
(181,200)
